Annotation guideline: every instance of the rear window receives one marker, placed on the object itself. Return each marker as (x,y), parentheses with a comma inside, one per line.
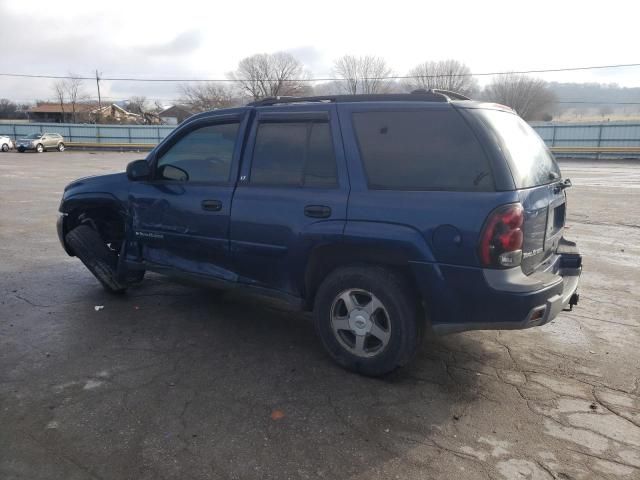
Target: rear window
(421,150)
(529,158)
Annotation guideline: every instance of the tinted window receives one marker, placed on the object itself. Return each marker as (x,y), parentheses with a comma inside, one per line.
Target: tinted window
(421,150)
(294,154)
(321,162)
(202,155)
(529,158)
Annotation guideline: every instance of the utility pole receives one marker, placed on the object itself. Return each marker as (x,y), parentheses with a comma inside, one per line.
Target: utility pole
(99,99)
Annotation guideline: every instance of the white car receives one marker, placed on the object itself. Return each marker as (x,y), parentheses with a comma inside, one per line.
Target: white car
(6,143)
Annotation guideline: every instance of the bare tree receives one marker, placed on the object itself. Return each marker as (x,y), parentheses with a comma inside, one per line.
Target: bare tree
(605,110)
(206,96)
(271,75)
(348,68)
(157,106)
(8,108)
(374,71)
(445,74)
(69,93)
(528,96)
(138,105)
(333,87)
(367,74)
(75,94)
(60,91)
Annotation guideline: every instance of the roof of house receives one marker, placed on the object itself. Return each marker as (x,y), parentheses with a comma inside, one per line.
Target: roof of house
(114,106)
(57,108)
(175,110)
(80,108)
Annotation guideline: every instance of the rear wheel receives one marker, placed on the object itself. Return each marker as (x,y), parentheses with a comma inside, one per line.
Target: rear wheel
(368,319)
(21,149)
(5,147)
(61,147)
(89,247)
(39,148)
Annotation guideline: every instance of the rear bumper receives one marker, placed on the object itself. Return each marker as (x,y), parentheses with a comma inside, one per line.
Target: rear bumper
(486,299)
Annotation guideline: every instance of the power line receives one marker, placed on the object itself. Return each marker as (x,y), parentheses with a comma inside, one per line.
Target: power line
(176,100)
(327,79)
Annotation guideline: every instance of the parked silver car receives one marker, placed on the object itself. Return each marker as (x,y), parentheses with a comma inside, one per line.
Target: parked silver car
(41,142)
(6,143)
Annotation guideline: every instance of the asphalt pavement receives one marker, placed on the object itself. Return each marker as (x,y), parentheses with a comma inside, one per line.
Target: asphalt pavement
(172,381)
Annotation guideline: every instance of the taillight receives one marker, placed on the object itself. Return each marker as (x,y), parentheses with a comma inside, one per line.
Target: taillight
(501,239)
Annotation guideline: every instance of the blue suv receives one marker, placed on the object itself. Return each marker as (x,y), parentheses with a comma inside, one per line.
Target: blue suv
(385,215)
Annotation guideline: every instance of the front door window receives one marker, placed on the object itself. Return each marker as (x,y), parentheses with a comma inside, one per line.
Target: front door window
(203,155)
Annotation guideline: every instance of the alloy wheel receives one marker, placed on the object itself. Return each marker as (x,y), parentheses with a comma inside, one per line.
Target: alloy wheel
(360,323)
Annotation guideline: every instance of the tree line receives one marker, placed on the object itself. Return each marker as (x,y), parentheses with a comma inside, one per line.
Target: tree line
(282,74)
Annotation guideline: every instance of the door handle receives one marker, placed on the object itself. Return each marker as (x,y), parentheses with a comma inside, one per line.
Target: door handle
(317,211)
(211,205)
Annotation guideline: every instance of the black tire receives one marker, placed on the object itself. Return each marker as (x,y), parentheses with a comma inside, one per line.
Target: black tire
(61,147)
(135,276)
(20,149)
(89,247)
(406,323)
(5,147)
(39,148)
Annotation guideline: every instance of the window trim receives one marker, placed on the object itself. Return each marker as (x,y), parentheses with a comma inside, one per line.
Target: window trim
(308,118)
(182,133)
(374,187)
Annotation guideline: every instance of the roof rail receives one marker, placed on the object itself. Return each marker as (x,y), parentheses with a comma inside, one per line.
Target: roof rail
(451,95)
(421,96)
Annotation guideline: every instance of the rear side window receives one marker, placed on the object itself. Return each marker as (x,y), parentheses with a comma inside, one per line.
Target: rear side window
(529,158)
(320,169)
(297,154)
(421,150)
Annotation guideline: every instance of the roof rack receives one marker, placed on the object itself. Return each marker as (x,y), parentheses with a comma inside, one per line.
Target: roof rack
(450,94)
(417,95)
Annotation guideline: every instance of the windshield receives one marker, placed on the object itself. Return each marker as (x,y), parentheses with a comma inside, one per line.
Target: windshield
(34,135)
(530,160)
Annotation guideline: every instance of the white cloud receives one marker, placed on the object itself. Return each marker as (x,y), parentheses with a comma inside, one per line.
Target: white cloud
(207,39)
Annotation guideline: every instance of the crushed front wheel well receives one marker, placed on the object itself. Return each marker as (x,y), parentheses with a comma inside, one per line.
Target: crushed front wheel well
(107,221)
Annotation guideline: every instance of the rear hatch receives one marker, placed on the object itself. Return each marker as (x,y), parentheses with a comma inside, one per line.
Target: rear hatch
(538,180)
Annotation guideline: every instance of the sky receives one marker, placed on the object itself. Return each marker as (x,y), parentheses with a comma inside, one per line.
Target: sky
(206,39)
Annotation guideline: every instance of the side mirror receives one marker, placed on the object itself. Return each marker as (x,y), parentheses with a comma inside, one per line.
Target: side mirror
(171,172)
(138,170)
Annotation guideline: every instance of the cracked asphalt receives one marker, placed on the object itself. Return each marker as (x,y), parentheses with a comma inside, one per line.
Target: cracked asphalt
(177,382)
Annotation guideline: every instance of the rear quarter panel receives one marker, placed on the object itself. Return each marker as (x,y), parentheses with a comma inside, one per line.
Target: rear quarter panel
(434,226)
(435,232)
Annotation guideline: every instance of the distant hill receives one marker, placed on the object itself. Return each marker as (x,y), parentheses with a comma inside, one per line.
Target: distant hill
(595,102)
